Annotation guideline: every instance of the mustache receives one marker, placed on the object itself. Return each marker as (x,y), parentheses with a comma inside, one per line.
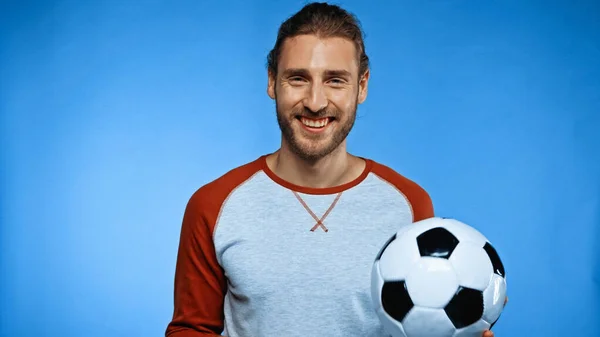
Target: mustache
(326,112)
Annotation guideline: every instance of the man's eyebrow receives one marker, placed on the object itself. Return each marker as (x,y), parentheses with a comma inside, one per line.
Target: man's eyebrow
(296,72)
(337,73)
(305,73)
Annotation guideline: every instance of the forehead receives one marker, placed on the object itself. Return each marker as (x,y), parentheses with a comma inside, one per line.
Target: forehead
(318,54)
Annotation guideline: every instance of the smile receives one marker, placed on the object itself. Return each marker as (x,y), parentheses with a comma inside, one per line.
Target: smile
(315,123)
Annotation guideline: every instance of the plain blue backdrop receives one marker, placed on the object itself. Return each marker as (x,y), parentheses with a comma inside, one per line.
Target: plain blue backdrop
(114,112)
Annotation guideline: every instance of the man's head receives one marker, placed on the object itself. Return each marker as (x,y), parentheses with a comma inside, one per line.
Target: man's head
(318,74)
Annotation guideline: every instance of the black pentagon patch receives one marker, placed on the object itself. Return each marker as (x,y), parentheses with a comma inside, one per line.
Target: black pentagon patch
(437,242)
(495,259)
(387,243)
(465,308)
(396,300)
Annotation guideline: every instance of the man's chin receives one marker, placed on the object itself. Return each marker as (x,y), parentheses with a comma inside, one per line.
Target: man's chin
(312,151)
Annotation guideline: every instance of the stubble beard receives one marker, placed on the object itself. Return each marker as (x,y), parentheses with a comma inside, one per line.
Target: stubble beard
(316,151)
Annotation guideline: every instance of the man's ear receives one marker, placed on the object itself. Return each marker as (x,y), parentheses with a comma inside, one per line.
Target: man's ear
(271,84)
(363,86)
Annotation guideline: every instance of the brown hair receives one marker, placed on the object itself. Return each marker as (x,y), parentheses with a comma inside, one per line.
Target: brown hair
(323,20)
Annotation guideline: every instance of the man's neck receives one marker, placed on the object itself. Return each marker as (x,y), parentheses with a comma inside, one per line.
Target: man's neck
(337,168)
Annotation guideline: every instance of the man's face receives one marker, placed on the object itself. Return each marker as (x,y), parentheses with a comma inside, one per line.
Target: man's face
(317,91)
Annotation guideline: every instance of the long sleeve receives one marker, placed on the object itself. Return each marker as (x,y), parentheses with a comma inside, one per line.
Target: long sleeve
(419,200)
(200,284)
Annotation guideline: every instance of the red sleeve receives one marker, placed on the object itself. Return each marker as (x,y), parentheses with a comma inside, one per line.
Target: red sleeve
(422,206)
(418,198)
(200,284)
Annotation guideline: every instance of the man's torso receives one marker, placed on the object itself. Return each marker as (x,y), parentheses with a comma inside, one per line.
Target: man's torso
(284,279)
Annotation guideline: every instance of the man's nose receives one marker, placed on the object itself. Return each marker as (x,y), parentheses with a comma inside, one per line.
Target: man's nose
(316,99)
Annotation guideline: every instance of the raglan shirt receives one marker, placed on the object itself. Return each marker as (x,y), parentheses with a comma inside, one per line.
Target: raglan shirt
(261,257)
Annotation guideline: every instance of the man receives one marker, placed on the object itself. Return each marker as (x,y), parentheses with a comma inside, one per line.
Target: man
(283,246)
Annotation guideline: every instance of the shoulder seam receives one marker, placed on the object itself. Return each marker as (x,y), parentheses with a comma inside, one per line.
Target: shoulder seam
(216,226)
(408,202)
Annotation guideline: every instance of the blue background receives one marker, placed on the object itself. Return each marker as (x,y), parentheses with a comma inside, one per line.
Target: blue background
(114,112)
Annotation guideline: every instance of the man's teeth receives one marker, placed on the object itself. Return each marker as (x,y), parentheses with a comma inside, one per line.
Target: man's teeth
(318,123)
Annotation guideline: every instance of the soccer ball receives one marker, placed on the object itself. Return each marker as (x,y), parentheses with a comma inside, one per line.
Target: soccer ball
(438,278)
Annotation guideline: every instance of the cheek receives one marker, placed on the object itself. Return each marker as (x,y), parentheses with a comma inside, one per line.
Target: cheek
(289,99)
(345,101)
(288,109)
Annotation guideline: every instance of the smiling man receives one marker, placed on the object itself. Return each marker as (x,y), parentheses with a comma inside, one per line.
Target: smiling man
(284,245)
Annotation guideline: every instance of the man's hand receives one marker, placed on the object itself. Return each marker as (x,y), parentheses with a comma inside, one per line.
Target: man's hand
(489,333)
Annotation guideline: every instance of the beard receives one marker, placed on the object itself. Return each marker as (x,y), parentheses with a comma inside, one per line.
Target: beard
(311,150)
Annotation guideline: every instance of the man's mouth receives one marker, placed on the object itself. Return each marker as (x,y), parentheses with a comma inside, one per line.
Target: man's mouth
(315,123)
